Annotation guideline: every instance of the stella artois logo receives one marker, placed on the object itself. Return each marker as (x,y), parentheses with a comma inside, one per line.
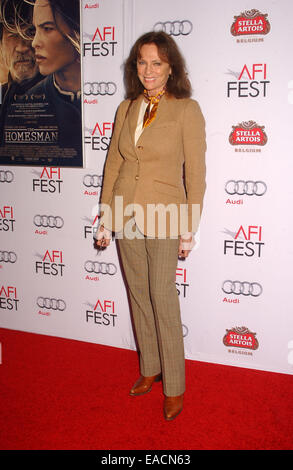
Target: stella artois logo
(250,22)
(248,133)
(240,337)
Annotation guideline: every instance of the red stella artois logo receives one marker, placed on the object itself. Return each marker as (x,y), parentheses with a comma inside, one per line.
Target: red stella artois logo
(240,337)
(248,133)
(250,22)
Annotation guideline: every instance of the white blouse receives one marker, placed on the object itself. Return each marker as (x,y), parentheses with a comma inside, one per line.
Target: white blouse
(139,127)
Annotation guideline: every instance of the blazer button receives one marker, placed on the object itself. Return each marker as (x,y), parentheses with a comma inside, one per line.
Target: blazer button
(136,177)
(140,147)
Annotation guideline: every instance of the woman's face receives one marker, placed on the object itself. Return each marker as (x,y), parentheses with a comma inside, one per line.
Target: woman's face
(53,51)
(152,71)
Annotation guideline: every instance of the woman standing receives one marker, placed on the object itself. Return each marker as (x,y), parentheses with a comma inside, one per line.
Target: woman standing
(156,158)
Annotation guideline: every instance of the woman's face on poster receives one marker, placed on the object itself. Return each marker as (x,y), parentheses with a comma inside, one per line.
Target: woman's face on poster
(53,51)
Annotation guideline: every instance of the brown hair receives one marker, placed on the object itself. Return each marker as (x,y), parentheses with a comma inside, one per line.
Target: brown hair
(178,84)
(69,10)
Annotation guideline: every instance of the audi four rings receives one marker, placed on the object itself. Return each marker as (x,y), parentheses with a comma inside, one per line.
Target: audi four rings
(53,304)
(7,257)
(99,88)
(6,176)
(184,330)
(250,188)
(242,288)
(100,268)
(174,28)
(93,180)
(48,221)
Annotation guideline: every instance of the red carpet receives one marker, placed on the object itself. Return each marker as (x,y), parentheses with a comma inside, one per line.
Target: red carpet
(63,394)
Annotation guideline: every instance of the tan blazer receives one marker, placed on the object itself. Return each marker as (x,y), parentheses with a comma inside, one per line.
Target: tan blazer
(166,166)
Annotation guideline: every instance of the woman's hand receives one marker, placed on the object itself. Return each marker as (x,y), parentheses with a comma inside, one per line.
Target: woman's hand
(103,237)
(186,244)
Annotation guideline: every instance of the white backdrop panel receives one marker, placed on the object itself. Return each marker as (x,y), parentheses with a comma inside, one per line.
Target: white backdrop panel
(239,276)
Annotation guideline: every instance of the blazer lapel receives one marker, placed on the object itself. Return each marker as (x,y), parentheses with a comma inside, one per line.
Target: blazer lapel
(133,117)
(162,114)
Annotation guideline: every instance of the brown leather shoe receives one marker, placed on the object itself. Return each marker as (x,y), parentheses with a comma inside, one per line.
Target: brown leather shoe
(144,385)
(172,407)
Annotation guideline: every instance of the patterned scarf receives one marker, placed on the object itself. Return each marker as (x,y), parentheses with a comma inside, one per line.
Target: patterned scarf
(150,114)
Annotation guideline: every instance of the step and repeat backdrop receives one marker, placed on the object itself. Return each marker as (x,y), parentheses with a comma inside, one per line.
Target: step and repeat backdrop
(235,288)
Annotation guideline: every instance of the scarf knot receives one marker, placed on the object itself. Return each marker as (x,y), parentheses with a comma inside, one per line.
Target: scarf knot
(151,110)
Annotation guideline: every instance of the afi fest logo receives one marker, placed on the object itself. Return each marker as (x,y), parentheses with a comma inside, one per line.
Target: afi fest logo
(51,264)
(91,227)
(102,313)
(102,43)
(251,82)
(250,22)
(181,282)
(251,245)
(49,181)
(100,136)
(92,223)
(8,298)
(7,219)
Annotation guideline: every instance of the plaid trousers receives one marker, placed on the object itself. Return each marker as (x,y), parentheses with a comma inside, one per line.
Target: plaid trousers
(150,269)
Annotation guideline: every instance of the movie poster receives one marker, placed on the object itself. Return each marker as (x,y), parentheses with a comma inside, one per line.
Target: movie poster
(40,110)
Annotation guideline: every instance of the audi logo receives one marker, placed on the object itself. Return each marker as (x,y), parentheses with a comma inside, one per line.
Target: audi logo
(184,330)
(99,88)
(6,176)
(53,304)
(48,221)
(250,188)
(93,180)
(7,257)
(100,268)
(242,288)
(174,28)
